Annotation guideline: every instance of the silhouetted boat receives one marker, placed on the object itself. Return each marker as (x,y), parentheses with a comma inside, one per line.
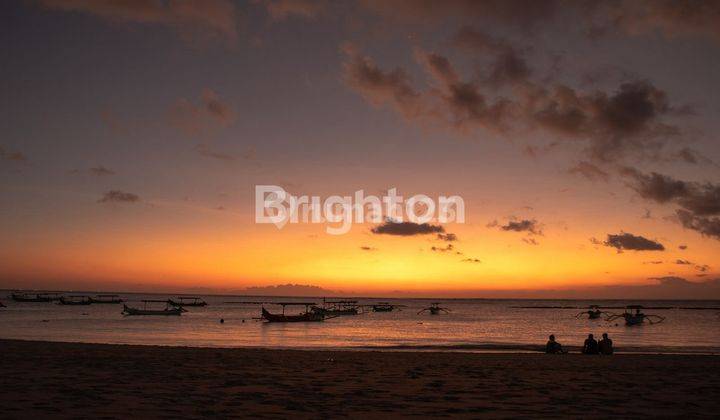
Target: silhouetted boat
(187,301)
(434,309)
(2,305)
(307,316)
(338,307)
(168,310)
(593,312)
(106,299)
(75,300)
(34,297)
(383,307)
(636,318)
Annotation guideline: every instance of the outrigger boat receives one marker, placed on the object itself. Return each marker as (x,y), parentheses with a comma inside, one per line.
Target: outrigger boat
(593,312)
(307,316)
(187,301)
(106,299)
(385,307)
(169,309)
(34,297)
(636,318)
(338,307)
(434,309)
(75,300)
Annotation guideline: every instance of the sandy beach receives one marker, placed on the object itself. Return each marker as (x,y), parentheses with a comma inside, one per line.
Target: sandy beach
(93,380)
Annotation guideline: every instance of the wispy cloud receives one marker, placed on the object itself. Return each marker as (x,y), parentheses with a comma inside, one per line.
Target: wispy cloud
(117,196)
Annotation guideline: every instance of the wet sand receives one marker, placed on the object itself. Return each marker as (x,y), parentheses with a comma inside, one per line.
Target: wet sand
(94,380)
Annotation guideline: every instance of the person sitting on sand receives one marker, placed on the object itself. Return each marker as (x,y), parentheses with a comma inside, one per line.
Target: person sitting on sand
(590,346)
(605,345)
(553,347)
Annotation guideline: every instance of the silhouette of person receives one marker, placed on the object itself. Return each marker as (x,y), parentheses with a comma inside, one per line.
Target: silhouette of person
(605,345)
(553,347)
(590,346)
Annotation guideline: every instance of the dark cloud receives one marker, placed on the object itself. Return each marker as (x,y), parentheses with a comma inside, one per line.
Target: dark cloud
(448,237)
(12,156)
(672,18)
(203,116)
(406,228)
(589,171)
(628,241)
(628,121)
(530,241)
(471,260)
(381,88)
(195,18)
(699,202)
(653,262)
(682,247)
(101,171)
(448,248)
(707,226)
(368,248)
(703,268)
(117,196)
(683,262)
(615,124)
(509,64)
(526,225)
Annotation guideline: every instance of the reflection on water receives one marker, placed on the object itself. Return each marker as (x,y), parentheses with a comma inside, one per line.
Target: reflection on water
(471,324)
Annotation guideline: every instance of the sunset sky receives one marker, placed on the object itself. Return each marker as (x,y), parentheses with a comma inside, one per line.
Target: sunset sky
(582,136)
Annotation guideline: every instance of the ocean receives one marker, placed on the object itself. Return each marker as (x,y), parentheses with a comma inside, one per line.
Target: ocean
(471,325)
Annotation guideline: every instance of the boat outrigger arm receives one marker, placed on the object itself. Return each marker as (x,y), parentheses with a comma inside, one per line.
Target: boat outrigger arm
(636,318)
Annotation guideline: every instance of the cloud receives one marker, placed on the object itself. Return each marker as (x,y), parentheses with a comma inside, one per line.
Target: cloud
(448,237)
(615,124)
(522,14)
(381,88)
(406,228)
(707,226)
(530,241)
(672,18)
(192,18)
(589,171)
(448,248)
(628,241)
(117,196)
(12,156)
(203,117)
(283,9)
(669,17)
(682,247)
(703,267)
(368,248)
(653,262)
(629,121)
(101,171)
(699,202)
(532,227)
(471,260)
(682,262)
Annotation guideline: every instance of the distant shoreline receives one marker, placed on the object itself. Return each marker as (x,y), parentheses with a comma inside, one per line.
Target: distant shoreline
(46,379)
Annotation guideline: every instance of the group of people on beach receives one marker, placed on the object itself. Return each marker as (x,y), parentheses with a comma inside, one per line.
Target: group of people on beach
(590,346)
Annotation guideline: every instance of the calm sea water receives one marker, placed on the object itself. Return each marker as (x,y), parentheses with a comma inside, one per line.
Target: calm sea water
(472,325)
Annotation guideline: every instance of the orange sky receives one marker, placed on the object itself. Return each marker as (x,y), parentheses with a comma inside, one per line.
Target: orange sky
(132,144)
